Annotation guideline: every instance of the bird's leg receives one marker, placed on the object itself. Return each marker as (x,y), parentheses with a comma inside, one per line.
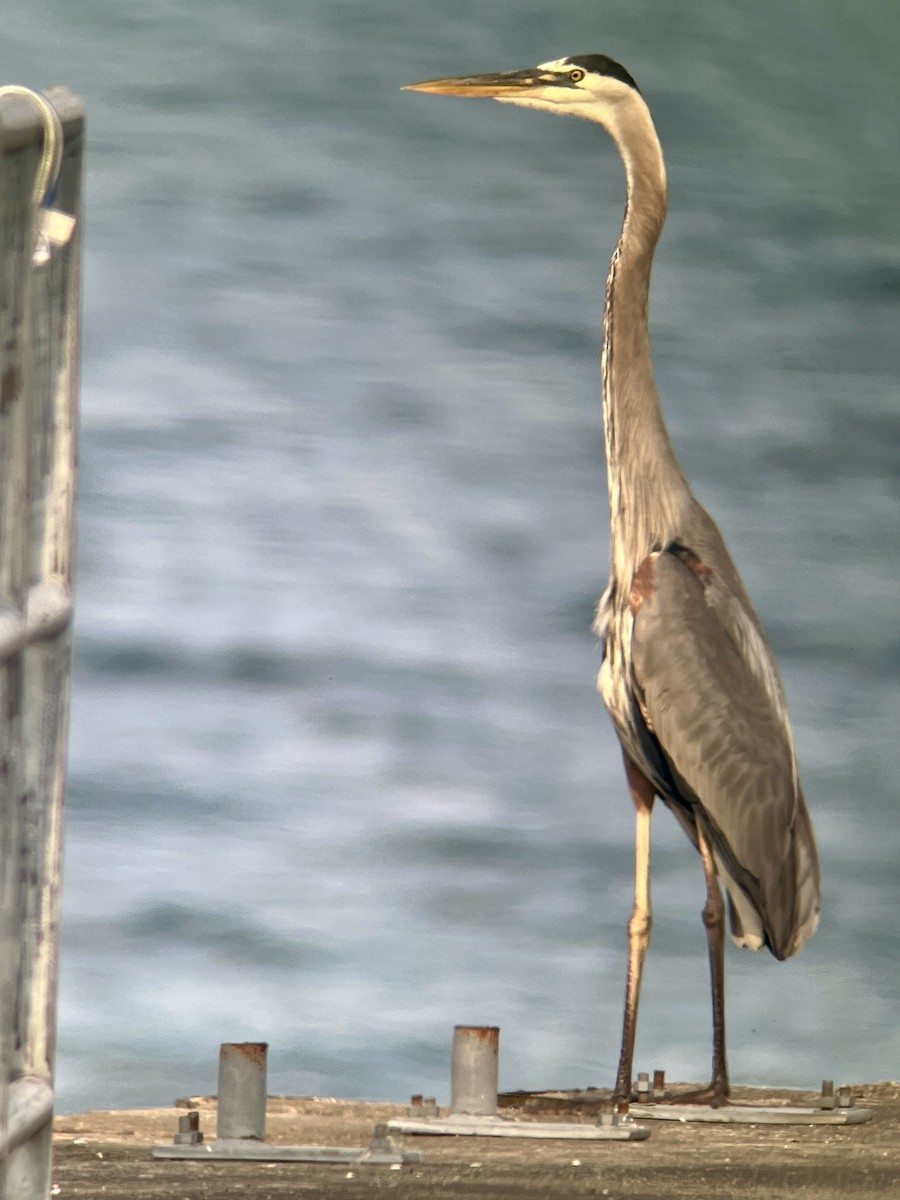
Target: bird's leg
(714,920)
(642,793)
(716,1093)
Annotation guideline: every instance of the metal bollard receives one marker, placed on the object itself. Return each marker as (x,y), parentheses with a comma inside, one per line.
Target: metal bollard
(189,1130)
(473,1070)
(827,1099)
(422,1106)
(242,1090)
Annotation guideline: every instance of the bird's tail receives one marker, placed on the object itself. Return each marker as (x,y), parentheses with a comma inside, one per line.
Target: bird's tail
(806,857)
(790,918)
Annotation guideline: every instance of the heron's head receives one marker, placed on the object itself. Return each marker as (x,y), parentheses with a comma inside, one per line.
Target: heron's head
(587,85)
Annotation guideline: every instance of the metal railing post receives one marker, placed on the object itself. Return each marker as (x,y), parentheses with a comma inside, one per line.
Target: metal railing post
(242,1096)
(40,302)
(473,1069)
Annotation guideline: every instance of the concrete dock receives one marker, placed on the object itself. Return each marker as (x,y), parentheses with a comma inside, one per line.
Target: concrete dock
(108,1154)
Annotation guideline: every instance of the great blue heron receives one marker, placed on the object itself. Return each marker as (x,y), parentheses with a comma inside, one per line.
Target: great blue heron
(688,675)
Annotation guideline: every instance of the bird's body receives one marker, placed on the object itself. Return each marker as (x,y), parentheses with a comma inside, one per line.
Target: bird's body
(688,675)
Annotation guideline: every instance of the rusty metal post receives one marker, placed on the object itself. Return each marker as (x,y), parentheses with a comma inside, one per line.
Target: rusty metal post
(473,1070)
(242,1090)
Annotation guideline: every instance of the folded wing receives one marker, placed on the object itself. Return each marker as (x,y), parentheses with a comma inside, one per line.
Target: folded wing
(723,748)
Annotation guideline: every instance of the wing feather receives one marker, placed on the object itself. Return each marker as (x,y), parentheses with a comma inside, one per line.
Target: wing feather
(727,745)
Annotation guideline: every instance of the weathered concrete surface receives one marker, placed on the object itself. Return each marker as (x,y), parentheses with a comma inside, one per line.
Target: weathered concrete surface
(108,1154)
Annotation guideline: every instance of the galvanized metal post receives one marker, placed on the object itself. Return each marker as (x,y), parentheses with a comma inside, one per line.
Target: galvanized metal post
(242,1090)
(40,304)
(474,1069)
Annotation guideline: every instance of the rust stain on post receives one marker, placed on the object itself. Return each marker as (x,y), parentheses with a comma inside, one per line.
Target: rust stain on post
(254,1052)
(490,1034)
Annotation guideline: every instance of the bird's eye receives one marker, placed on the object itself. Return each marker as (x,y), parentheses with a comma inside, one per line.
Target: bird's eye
(577,75)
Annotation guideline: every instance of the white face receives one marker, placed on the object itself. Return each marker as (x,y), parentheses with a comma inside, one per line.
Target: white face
(571,91)
(562,87)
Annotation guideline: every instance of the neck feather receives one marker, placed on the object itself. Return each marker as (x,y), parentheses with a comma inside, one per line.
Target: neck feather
(648,493)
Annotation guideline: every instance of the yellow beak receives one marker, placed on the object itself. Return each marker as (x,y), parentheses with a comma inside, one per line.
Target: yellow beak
(511,83)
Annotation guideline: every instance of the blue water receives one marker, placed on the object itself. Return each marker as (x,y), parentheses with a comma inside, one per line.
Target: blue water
(339,775)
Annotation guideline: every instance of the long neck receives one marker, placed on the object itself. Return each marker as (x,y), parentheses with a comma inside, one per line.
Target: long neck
(648,493)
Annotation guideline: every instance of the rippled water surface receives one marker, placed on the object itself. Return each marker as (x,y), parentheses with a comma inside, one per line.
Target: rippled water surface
(340,777)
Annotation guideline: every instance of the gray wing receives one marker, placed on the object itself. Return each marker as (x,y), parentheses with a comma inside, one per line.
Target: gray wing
(726,742)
